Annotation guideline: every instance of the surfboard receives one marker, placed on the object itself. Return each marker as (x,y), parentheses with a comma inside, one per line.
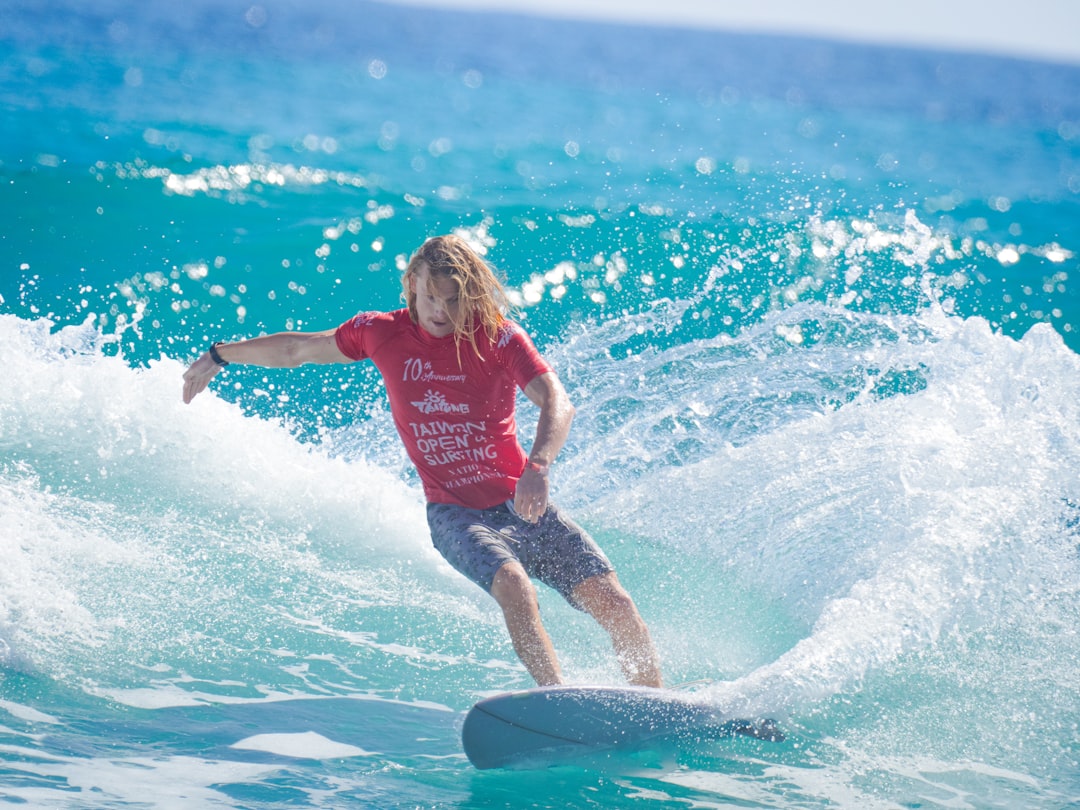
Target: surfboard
(548,725)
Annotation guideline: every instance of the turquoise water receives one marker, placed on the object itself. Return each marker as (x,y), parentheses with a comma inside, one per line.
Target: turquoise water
(817,306)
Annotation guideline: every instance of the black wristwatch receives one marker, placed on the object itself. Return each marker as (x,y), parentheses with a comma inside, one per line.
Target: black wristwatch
(217,358)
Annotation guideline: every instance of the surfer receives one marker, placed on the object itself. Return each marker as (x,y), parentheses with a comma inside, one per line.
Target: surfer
(452,361)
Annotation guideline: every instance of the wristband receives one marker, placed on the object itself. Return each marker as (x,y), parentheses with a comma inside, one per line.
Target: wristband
(540,468)
(217,358)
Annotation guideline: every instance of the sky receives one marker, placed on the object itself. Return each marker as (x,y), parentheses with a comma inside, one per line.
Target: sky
(1041,29)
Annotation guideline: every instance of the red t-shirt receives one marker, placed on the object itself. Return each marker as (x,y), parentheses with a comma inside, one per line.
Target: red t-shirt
(457,421)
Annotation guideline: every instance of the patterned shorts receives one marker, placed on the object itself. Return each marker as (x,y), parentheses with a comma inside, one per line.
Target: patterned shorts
(478,542)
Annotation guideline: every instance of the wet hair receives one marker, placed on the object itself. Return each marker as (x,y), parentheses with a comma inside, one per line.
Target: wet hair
(482,300)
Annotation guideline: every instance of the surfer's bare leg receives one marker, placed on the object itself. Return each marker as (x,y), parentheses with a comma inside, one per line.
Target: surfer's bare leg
(609,603)
(516,595)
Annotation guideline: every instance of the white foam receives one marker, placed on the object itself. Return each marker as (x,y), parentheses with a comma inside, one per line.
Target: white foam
(173,782)
(124,510)
(27,713)
(301,745)
(880,523)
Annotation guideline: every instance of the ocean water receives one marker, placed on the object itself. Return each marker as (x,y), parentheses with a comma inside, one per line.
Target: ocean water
(817,305)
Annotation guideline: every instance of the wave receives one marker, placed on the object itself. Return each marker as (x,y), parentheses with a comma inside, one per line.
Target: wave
(143,532)
(883,516)
(875,473)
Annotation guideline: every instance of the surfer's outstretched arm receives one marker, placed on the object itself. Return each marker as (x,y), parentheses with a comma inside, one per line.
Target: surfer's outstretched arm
(281,350)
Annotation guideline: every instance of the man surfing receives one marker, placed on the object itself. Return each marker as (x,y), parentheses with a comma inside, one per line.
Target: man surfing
(452,362)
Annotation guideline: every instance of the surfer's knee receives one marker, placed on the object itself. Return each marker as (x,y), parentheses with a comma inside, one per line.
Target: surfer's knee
(512,587)
(613,608)
(606,599)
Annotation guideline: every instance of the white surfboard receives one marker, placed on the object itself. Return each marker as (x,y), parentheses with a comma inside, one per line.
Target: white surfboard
(552,724)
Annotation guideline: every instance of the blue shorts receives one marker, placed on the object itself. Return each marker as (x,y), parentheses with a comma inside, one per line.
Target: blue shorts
(478,542)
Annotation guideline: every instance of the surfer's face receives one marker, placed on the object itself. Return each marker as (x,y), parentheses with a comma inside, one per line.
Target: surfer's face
(437,302)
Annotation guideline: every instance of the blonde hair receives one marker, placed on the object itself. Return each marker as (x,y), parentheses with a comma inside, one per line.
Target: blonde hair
(482,300)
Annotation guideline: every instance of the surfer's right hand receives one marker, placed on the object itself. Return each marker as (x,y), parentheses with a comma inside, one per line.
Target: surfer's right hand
(199,375)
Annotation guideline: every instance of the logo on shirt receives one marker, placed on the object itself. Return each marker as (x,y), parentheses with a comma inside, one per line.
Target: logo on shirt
(506,331)
(435,402)
(417,370)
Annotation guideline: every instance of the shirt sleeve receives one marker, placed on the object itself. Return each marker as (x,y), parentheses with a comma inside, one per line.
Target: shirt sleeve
(354,337)
(519,355)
